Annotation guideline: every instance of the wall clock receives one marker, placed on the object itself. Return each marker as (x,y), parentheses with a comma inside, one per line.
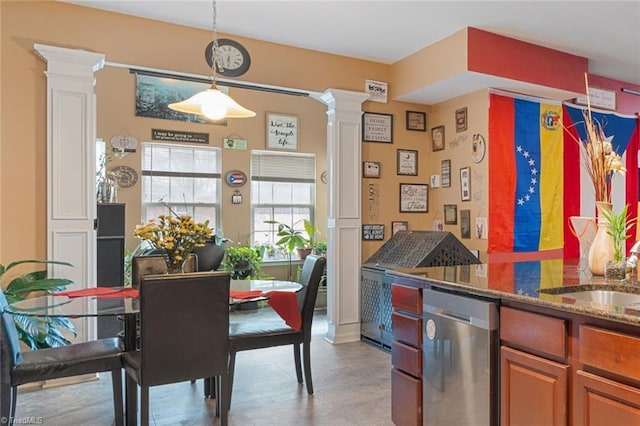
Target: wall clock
(235,58)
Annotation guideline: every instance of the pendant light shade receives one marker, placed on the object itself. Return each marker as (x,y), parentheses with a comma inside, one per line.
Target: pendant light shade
(212,104)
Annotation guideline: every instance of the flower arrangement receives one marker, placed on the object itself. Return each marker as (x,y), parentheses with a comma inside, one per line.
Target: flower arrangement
(175,236)
(601,160)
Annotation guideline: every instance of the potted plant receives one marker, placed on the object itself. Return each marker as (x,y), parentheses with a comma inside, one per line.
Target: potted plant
(37,332)
(619,226)
(242,262)
(292,239)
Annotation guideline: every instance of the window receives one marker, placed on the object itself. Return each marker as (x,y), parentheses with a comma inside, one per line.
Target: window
(282,189)
(185,177)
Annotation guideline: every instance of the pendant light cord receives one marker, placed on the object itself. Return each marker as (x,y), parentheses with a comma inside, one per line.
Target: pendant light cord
(216,60)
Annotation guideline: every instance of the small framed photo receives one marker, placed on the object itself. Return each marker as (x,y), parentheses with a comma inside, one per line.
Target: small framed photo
(450,214)
(371,169)
(414,198)
(465,224)
(401,225)
(465,184)
(461,120)
(417,120)
(407,162)
(437,138)
(377,127)
(445,172)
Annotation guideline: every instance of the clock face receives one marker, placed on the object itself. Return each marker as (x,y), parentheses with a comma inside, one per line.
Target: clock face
(233,57)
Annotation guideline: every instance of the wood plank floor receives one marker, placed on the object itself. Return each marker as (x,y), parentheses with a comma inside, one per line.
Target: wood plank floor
(351,387)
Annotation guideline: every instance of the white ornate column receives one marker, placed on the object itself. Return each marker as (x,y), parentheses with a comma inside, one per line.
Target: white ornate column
(344,155)
(71,164)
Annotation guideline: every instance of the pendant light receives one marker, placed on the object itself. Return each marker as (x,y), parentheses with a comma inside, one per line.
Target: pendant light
(212,103)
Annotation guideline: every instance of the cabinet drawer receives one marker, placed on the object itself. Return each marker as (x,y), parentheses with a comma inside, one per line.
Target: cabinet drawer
(407,358)
(406,298)
(406,399)
(534,331)
(407,329)
(610,351)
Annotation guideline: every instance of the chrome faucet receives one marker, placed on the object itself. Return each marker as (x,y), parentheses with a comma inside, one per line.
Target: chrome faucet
(632,261)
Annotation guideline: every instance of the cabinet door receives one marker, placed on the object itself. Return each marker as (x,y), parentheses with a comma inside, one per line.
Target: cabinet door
(406,399)
(533,390)
(603,402)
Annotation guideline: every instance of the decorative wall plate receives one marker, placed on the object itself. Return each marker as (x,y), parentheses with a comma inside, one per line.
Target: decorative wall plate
(235,178)
(125,176)
(478,148)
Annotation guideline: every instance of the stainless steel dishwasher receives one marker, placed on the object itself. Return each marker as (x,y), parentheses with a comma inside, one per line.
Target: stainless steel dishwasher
(461,360)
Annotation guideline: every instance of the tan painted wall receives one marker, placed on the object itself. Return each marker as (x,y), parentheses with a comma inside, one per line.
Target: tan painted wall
(154,44)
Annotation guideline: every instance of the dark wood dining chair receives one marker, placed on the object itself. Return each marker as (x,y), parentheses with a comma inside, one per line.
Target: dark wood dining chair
(247,334)
(184,334)
(18,368)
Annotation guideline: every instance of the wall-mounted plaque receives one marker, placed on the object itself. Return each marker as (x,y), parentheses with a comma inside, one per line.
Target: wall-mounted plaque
(282,131)
(377,127)
(373,232)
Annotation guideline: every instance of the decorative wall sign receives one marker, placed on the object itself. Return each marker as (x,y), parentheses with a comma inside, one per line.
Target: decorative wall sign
(438,225)
(235,178)
(481,228)
(124,176)
(465,184)
(282,131)
(234,143)
(417,120)
(478,148)
(445,171)
(465,223)
(600,98)
(451,214)
(371,169)
(437,138)
(179,136)
(461,119)
(407,162)
(373,232)
(124,144)
(236,197)
(377,91)
(377,127)
(396,226)
(435,181)
(414,198)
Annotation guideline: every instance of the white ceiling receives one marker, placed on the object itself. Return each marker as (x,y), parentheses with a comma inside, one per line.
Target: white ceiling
(606,32)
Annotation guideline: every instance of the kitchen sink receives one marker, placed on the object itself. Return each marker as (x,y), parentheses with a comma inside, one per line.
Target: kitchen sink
(614,295)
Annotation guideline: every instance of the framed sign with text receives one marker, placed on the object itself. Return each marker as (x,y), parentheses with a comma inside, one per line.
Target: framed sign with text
(414,198)
(377,127)
(282,131)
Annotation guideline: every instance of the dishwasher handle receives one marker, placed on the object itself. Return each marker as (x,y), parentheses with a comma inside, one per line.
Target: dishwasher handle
(477,312)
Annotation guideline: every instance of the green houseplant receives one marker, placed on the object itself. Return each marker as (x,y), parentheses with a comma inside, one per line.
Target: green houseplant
(291,239)
(619,227)
(242,262)
(36,332)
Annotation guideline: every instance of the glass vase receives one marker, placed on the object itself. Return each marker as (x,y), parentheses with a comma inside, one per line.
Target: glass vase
(172,267)
(602,248)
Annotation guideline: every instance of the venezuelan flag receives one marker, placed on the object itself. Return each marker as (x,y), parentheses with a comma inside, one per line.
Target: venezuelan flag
(526,175)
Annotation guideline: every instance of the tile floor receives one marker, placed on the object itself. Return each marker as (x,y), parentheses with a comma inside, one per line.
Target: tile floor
(351,387)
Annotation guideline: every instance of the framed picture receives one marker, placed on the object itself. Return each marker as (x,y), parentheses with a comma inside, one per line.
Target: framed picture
(437,138)
(414,198)
(282,131)
(371,169)
(445,171)
(399,226)
(377,127)
(407,162)
(461,120)
(417,121)
(465,184)
(373,232)
(465,224)
(451,214)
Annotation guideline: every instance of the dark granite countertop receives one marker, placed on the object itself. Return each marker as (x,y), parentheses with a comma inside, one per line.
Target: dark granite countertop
(540,283)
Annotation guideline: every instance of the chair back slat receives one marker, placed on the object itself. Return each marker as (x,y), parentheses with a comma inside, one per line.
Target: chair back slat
(310,277)
(9,339)
(184,326)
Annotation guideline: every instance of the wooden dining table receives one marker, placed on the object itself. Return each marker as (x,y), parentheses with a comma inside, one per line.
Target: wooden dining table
(123,303)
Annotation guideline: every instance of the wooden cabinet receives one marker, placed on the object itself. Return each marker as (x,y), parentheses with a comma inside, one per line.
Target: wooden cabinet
(406,356)
(533,389)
